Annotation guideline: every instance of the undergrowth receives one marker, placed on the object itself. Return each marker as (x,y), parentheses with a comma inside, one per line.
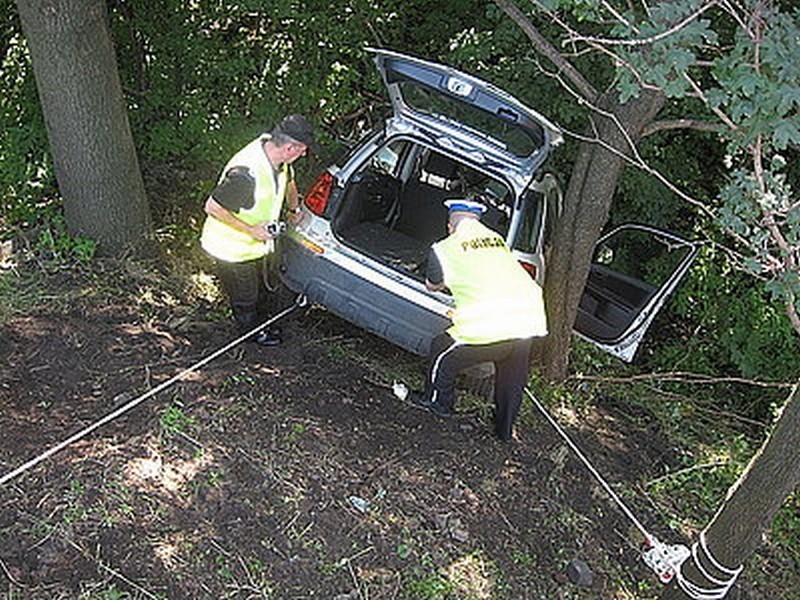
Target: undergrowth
(712,445)
(58,273)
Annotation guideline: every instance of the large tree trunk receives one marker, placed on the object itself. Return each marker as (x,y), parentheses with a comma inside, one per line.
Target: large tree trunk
(90,139)
(586,206)
(773,473)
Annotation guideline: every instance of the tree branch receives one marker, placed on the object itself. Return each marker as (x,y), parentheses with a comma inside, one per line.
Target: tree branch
(680,124)
(545,48)
(572,35)
(651,39)
(789,262)
(722,116)
(791,312)
(684,377)
(637,161)
(618,16)
(586,94)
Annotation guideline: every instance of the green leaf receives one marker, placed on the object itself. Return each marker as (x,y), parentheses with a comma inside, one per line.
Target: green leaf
(786,132)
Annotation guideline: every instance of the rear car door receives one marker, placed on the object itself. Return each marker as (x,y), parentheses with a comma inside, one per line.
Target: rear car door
(531,230)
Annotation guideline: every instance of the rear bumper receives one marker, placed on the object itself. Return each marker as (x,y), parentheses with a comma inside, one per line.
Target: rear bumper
(367,304)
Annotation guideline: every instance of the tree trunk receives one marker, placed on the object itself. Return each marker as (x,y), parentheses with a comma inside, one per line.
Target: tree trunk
(586,207)
(752,503)
(90,139)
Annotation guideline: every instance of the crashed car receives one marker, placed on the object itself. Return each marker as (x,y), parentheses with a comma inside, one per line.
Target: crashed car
(361,247)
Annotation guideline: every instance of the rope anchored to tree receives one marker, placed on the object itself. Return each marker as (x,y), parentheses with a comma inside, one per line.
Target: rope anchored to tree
(718,587)
(665,560)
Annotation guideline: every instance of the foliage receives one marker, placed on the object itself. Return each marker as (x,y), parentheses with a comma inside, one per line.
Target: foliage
(752,335)
(19,292)
(203,77)
(786,529)
(174,420)
(752,88)
(731,164)
(693,493)
(717,305)
(55,244)
(741,62)
(25,171)
(430,586)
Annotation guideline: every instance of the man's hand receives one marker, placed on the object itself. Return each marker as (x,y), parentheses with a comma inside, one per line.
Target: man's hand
(259,231)
(294,217)
(435,287)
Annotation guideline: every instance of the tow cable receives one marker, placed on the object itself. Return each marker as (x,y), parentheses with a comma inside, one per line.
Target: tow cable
(664,560)
(300,301)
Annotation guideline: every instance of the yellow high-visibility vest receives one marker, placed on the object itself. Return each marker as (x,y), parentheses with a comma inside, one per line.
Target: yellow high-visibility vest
(229,244)
(495,297)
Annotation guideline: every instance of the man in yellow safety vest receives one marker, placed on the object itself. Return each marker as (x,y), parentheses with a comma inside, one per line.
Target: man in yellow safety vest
(499,309)
(243,218)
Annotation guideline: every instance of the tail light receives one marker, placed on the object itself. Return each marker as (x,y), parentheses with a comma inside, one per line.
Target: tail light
(530,268)
(317,197)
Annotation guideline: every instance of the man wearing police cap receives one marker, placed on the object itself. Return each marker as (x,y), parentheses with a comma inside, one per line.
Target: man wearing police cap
(498,311)
(244,216)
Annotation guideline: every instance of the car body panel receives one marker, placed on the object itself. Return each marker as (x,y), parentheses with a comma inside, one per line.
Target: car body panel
(530,231)
(407,315)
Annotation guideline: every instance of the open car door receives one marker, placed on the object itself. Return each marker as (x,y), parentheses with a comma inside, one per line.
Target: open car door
(634,270)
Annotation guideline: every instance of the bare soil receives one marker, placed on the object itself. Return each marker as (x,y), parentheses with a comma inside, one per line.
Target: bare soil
(290,472)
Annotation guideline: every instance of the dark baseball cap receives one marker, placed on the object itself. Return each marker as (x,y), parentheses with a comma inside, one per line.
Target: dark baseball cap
(299,129)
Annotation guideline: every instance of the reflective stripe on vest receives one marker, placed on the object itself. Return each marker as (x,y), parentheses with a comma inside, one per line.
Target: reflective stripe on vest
(495,298)
(229,244)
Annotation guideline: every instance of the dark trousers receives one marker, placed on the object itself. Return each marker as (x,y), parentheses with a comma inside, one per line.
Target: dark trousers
(511,360)
(248,296)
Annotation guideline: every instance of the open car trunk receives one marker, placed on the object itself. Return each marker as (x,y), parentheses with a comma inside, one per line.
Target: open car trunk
(394,209)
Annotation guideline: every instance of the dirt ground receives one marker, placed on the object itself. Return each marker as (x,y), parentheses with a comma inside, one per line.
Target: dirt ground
(290,472)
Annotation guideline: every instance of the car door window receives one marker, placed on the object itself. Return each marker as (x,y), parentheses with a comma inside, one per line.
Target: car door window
(540,207)
(532,209)
(387,158)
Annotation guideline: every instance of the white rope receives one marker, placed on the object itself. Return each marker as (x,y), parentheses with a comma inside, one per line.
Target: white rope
(720,587)
(136,401)
(714,562)
(648,536)
(665,560)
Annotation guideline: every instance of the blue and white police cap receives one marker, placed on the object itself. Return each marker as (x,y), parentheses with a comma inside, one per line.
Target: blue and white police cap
(464,205)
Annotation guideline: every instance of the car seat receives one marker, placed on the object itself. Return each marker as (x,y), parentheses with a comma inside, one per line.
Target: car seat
(423,215)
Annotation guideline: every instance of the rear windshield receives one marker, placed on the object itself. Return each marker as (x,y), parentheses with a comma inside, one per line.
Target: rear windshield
(510,136)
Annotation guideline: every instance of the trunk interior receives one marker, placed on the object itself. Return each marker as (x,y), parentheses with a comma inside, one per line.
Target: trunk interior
(393,210)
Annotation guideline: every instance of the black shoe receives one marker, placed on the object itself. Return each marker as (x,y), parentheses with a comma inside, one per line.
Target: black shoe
(419,400)
(439,410)
(503,437)
(503,434)
(268,337)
